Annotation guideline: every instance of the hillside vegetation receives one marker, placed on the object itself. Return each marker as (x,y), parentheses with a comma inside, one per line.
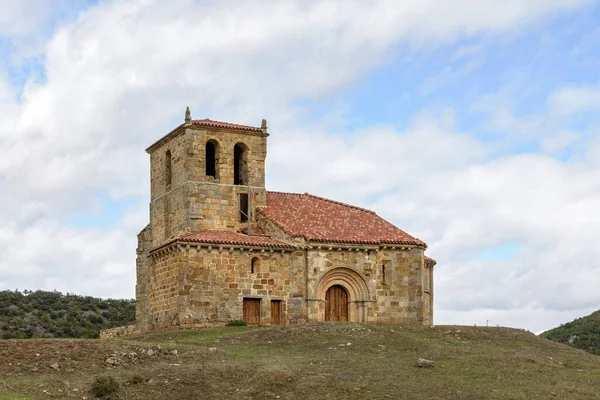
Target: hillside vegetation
(43,314)
(311,361)
(582,333)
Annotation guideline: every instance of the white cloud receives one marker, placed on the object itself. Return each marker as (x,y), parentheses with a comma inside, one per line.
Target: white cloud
(27,25)
(120,76)
(18,18)
(575,99)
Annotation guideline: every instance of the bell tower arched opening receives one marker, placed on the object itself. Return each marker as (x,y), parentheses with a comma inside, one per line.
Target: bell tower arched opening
(212,159)
(240,164)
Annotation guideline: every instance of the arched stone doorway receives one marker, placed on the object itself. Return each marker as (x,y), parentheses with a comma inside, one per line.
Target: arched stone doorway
(342,295)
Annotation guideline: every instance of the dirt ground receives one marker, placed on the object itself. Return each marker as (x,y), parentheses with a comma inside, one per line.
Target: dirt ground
(313,361)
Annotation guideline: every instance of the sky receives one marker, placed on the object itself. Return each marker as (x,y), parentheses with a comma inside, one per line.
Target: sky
(473,125)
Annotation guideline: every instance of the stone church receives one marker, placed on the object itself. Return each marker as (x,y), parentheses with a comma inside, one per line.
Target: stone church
(220,247)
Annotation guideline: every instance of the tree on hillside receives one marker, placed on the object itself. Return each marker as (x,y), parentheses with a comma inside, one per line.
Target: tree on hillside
(582,333)
(44,314)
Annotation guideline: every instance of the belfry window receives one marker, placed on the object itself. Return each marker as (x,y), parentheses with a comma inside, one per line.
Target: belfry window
(240,164)
(168,172)
(211,158)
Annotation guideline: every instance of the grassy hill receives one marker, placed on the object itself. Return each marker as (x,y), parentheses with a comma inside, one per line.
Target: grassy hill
(582,333)
(43,314)
(312,361)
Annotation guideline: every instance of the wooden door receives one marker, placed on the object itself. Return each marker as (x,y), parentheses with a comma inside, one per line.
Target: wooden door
(336,304)
(276,312)
(252,311)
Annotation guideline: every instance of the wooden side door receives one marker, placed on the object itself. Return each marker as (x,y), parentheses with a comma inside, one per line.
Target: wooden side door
(336,304)
(275,312)
(252,311)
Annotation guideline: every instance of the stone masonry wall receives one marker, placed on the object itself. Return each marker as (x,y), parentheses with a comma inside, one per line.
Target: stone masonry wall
(400,295)
(168,202)
(216,206)
(143,264)
(200,286)
(165,277)
(256,144)
(119,331)
(216,200)
(395,298)
(216,281)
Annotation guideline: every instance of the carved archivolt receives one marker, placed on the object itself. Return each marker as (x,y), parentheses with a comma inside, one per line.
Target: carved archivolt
(350,279)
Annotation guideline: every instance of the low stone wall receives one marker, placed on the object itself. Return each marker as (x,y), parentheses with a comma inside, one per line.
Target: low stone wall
(119,331)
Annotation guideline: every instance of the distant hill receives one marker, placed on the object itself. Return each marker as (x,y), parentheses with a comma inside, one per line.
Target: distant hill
(43,314)
(582,333)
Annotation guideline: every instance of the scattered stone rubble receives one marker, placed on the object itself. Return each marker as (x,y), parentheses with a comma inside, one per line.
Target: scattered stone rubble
(424,363)
(119,331)
(123,359)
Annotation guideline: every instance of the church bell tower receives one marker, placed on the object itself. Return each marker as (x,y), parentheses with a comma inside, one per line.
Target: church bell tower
(206,175)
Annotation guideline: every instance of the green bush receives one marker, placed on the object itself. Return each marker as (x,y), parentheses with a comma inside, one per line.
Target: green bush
(104,385)
(236,322)
(53,314)
(582,333)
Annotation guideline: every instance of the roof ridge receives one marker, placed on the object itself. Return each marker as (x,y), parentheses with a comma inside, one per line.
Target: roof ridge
(277,192)
(325,199)
(208,120)
(340,203)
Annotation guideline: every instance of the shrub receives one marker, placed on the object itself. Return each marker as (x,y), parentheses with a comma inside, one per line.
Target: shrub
(104,385)
(236,322)
(135,379)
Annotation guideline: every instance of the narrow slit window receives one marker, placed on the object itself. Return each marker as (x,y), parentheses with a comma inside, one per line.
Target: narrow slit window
(385,273)
(168,172)
(254,265)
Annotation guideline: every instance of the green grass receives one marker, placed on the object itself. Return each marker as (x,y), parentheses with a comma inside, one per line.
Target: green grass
(307,362)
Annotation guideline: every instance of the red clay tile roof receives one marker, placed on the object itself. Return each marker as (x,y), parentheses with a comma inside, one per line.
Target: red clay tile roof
(321,220)
(226,125)
(232,238)
(207,123)
(431,260)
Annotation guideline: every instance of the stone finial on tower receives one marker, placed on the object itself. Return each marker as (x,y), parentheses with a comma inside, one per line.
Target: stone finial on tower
(188,116)
(263,126)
